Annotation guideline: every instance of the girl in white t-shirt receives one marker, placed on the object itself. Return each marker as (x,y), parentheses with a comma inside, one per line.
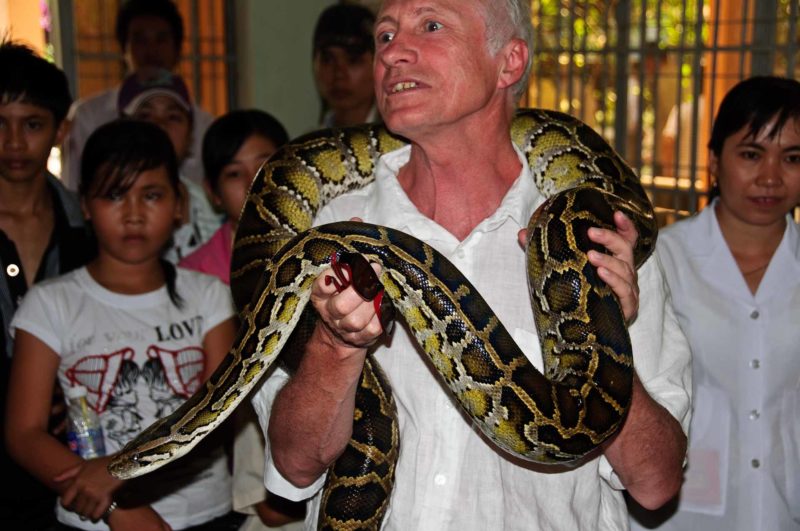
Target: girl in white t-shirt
(140,334)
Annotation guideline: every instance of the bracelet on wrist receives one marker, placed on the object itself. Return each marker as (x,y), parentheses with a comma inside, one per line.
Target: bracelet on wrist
(111,508)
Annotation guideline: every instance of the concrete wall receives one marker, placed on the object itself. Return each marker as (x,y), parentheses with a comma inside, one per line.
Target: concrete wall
(274,53)
(20,20)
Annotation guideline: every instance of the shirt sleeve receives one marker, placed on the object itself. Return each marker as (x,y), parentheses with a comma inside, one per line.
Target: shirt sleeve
(37,315)
(661,354)
(273,480)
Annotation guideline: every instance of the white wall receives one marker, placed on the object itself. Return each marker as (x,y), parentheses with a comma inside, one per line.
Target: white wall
(274,53)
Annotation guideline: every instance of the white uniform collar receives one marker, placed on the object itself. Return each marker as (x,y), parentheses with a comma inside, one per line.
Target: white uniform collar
(707,245)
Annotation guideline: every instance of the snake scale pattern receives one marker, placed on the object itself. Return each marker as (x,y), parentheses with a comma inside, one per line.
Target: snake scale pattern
(555,417)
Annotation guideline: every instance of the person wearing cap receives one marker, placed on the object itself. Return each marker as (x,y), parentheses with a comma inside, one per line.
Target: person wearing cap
(164,101)
(150,35)
(343,52)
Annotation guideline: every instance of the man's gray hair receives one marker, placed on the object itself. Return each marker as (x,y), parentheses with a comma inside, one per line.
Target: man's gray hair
(506,20)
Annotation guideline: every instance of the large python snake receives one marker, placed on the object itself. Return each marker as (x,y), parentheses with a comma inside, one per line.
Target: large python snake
(559,416)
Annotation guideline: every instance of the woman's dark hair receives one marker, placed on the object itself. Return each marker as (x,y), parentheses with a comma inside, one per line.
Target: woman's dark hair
(163,9)
(753,103)
(28,78)
(116,154)
(227,133)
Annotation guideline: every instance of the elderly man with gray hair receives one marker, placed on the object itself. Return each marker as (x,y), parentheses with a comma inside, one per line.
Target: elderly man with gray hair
(448,75)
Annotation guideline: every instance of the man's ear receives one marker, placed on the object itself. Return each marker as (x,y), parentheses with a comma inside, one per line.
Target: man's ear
(515,59)
(713,164)
(212,196)
(61,132)
(86,215)
(182,206)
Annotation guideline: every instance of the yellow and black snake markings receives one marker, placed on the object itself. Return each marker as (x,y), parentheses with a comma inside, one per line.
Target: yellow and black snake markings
(560,416)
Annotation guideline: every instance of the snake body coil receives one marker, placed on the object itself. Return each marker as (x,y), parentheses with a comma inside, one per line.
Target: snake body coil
(557,417)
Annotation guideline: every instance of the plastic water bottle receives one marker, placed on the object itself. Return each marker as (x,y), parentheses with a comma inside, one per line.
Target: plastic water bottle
(84,432)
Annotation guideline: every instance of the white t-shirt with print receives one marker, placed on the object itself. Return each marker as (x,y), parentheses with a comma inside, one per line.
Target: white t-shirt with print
(140,357)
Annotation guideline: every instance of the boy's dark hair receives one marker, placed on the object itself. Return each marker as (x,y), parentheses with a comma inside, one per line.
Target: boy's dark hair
(346,25)
(164,9)
(115,155)
(28,78)
(227,134)
(753,103)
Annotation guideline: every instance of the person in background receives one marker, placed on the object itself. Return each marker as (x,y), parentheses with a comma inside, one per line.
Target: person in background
(140,334)
(448,76)
(343,53)
(164,101)
(42,235)
(150,37)
(734,273)
(234,148)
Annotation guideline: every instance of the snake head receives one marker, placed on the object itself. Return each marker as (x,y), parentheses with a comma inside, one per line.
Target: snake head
(126,466)
(353,269)
(365,282)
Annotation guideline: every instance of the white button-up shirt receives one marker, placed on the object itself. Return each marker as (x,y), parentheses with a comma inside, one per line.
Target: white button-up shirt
(448,475)
(744,449)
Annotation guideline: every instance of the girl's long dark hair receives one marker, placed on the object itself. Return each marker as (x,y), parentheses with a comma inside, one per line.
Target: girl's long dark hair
(115,155)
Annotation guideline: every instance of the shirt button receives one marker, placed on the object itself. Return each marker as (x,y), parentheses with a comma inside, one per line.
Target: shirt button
(460,253)
(755,463)
(439,479)
(12,270)
(755,364)
(754,314)
(754,414)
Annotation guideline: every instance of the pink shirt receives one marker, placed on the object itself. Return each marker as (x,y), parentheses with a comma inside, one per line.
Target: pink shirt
(214,256)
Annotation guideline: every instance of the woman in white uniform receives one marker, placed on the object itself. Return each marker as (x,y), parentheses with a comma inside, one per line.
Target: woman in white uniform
(734,272)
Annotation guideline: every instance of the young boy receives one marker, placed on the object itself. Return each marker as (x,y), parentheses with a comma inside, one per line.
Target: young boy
(41,232)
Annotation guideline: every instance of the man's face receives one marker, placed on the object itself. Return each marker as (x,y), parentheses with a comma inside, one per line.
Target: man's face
(344,78)
(27,133)
(150,45)
(432,64)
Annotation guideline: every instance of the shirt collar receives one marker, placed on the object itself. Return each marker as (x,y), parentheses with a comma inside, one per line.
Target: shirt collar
(710,231)
(518,204)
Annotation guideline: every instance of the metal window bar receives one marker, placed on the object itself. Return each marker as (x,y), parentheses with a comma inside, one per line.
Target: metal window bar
(587,54)
(92,60)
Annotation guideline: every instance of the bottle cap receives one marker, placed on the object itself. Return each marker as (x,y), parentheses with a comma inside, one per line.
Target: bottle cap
(76,391)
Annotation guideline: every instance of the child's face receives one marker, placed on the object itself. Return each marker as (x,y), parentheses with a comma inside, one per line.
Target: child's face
(27,133)
(168,114)
(133,227)
(236,176)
